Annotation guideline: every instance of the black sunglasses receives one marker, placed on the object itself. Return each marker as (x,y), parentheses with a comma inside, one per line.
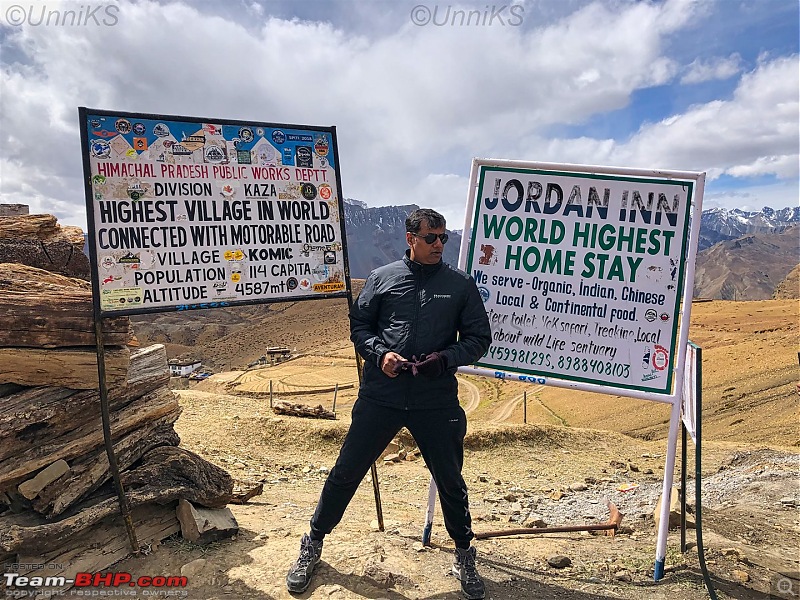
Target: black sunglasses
(431,237)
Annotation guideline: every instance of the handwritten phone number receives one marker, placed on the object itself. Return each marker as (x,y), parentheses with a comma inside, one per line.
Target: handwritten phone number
(576,364)
(528,357)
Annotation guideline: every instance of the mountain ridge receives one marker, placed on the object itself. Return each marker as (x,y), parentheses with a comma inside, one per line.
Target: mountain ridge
(725,269)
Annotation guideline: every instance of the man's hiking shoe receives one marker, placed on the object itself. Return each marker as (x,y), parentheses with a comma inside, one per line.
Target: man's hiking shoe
(464,569)
(299,577)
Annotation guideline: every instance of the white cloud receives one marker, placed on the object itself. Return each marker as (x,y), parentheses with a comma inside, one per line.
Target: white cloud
(776,195)
(412,105)
(756,132)
(716,68)
(781,166)
(445,191)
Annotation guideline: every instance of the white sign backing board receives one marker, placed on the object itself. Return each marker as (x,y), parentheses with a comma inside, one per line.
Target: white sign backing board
(582,271)
(689,399)
(188,212)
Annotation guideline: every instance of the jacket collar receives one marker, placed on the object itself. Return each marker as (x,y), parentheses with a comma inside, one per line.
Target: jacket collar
(416,267)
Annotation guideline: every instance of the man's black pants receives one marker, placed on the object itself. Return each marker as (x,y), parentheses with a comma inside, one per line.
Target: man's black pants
(439,434)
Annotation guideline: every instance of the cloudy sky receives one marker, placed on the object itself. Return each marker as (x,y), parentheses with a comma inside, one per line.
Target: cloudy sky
(416,90)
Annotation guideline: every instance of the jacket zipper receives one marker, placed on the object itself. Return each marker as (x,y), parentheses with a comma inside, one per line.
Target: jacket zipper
(417,280)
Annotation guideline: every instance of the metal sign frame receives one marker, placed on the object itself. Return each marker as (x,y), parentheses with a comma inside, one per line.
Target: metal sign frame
(669,393)
(209,196)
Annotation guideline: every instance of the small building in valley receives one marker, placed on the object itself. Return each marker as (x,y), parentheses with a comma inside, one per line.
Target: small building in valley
(183,367)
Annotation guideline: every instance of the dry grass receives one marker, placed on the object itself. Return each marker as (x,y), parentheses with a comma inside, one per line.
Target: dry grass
(750,374)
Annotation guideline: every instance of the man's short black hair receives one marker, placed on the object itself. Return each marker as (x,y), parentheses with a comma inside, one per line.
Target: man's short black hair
(415,219)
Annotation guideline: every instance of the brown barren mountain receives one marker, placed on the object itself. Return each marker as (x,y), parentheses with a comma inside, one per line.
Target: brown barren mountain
(789,287)
(748,268)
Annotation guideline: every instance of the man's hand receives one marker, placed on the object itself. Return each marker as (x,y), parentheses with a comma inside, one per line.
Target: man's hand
(432,365)
(392,363)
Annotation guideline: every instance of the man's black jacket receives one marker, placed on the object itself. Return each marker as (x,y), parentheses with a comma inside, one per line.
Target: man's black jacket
(415,309)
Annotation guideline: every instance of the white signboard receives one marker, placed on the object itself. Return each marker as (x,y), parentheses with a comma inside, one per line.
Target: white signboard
(582,273)
(194,213)
(689,399)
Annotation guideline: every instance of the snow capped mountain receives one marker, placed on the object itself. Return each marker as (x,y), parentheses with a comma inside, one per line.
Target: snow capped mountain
(720,224)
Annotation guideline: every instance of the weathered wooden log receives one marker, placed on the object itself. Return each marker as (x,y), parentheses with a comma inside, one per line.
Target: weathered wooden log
(15,277)
(38,241)
(38,228)
(47,321)
(24,411)
(244,490)
(32,487)
(149,369)
(171,468)
(43,309)
(74,368)
(25,452)
(6,389)
(90,471)
(166,475)
(41,411)
(205,525)
(101,545)
(29,414)
(39,309)
(302,410)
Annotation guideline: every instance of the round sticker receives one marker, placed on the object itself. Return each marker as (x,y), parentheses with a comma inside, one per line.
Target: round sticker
(123,126)
(100,149)
(321,146)
(308,190)
(320,272)
(660,358)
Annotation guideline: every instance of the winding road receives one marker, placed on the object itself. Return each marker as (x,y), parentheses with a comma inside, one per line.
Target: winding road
(507,408)
(474,395)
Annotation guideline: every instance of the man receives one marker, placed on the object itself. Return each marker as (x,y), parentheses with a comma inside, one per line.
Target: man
(415,322)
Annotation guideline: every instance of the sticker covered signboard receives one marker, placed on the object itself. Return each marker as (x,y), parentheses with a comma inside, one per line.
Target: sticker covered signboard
(582,273)
(192,213)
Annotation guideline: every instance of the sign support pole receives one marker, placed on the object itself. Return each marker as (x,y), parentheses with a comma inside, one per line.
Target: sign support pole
(373,469)
(109,443)
(669,468)
(426,532)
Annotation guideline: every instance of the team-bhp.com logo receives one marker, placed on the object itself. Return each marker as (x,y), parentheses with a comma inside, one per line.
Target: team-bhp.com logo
(14,581)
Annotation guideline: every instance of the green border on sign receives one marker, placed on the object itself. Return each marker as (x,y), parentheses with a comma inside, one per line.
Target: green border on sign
(484,169)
